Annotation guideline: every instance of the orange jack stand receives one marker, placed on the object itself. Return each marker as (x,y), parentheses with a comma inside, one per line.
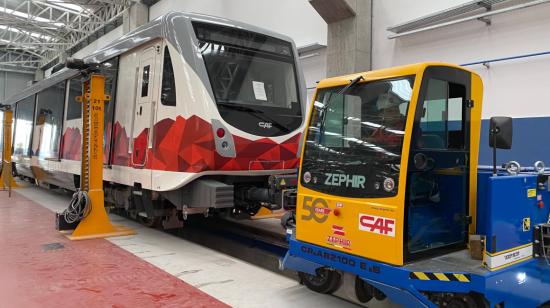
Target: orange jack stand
(264,213)
(6,178)
(96,224)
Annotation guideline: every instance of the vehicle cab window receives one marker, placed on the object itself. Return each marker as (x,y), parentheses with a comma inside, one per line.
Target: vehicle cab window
(437,182)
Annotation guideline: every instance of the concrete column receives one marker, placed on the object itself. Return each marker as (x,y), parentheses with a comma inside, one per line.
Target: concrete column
(135,16)
(349,34)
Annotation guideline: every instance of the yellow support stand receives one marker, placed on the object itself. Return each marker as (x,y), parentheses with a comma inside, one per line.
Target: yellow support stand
(6,178)
(264,213)
(96,224)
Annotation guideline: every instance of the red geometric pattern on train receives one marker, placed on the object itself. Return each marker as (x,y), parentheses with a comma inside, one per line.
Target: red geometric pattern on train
(120,156)
(140,148)
(71,146)
(188,146)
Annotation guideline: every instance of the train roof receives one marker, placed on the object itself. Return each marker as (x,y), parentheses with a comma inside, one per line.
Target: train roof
(168,26)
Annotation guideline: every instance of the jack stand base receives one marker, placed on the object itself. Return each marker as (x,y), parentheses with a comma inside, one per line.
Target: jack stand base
(264,213)
(116,230)
(9,182)
(97,224)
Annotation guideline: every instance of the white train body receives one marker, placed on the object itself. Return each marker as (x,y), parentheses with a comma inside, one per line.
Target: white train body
(193,97)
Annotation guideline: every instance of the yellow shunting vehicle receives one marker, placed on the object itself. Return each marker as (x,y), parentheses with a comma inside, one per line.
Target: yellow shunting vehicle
(390,192)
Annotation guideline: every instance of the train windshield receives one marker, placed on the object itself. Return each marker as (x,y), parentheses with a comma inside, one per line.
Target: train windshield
(253,77)
(355,137)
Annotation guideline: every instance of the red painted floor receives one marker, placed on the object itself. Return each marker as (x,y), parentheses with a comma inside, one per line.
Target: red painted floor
(91,273)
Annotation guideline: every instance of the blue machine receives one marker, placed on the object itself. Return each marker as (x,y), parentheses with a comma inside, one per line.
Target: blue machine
(512,217)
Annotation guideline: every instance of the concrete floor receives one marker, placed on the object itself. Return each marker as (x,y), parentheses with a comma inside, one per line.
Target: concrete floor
(42,268)
(226,278)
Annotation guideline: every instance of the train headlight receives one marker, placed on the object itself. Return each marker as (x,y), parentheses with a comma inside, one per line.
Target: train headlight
(307,177)
(513,167)
(389,184)
(539,167)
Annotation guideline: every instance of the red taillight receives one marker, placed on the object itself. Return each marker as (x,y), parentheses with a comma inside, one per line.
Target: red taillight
(220,132)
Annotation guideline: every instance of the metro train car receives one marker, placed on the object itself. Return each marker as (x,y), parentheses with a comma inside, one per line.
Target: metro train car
(203,111)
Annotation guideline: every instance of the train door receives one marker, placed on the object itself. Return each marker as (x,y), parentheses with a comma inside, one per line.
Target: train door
(438,174)
(143,113)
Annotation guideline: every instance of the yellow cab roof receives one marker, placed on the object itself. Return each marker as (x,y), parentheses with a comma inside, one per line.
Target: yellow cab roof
(396,71)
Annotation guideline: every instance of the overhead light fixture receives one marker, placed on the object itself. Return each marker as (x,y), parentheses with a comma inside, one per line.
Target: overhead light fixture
(70,6)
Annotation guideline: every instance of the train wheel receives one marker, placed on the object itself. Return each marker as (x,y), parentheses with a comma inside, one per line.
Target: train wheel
(326,281)
(149,222)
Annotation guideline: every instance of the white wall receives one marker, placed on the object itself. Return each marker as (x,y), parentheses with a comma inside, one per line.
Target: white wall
(516,88)
(295,18)
(314,66)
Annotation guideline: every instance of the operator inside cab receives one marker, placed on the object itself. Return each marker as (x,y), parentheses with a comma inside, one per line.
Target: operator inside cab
(391,120)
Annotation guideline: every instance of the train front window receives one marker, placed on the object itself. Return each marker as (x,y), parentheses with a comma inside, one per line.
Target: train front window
(355,138)
(253,78)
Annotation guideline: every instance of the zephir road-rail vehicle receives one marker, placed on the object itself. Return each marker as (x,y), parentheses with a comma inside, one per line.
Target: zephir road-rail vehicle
(390,192)
(203,111)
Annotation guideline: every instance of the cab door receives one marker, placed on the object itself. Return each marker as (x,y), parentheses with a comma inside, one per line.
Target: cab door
(144,109)
(437,215)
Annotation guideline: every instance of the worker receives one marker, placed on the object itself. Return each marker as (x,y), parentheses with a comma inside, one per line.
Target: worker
(391,121)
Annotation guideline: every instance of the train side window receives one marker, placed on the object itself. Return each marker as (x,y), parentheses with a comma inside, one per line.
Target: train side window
(168,94)
(110,70)
(24,115)
(145,81)
(441,124)
(49,121)
(74,108)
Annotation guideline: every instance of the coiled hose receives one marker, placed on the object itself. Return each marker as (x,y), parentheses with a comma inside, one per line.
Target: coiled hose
(79,207)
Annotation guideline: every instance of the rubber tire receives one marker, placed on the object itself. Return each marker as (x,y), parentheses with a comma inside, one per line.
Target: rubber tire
(468,301)
(363,291)
(457,303)
(326,285)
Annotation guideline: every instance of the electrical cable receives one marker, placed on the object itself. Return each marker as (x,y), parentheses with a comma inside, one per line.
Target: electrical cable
(79,207)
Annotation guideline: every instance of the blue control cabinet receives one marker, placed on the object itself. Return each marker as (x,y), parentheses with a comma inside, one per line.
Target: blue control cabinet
(508,207)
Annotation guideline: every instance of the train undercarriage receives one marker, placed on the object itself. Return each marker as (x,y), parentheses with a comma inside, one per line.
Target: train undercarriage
(209,195)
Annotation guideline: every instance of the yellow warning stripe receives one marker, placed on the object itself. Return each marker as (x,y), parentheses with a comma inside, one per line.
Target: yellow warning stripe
(461,277)
(421,276)
(450,277)
(441,277)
